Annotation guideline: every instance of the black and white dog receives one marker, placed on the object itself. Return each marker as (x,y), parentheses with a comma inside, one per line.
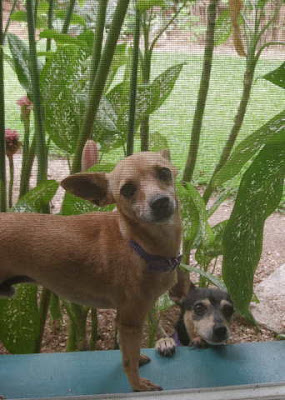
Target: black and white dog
(204,320)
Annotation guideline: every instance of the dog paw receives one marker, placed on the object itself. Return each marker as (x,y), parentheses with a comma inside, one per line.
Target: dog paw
(143,359)
(145,385)
(165,347)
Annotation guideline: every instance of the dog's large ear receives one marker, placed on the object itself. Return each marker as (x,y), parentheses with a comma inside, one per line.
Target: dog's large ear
(165,154)
(90,186)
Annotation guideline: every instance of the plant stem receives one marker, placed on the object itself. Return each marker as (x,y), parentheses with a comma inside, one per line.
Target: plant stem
(36,5)
(94,329)
(133,85)
(39,126)
(44,306)
(252,58)
(203,92)
(98,39)
(146,71)
(68,17)
(9,19)
(247,85)
(167,25)
(11,182)
(3,200)
(78,315)
(25,156)
(153,320)
(99,81)
(27,168)
(50,19)
(71,340)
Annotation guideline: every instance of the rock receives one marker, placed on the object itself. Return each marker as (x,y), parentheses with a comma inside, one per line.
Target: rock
(271,294)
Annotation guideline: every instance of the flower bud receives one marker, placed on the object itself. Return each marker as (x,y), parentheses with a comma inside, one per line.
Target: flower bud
(90,155)
(12,142)
(26,106)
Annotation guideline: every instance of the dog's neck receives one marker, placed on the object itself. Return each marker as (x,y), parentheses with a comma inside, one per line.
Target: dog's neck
(161,239)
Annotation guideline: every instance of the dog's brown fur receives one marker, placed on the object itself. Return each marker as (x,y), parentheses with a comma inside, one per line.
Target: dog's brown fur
(87,259)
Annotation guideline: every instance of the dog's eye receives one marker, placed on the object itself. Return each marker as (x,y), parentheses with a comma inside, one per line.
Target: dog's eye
(164,174)
(200,309)
(228,310)
(128,190)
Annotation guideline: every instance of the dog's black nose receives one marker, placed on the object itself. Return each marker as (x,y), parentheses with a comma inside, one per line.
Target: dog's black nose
(220,332)
(161,207)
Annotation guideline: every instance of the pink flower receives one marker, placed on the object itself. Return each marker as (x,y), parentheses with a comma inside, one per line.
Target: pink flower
(90,155)
(12,142)
(26,105)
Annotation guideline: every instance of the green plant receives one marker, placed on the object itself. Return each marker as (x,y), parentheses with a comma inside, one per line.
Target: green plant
(148,13)
(3,200)
(251,21)
(252,54)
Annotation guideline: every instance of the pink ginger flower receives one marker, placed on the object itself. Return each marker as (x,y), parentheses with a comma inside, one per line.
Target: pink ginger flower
(12,142)
(90,155)
(26,105)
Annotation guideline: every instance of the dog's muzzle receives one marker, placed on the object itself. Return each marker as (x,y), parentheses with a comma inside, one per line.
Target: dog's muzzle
(162,207)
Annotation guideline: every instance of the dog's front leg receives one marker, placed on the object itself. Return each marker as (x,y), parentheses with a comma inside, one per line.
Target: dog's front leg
(130,339)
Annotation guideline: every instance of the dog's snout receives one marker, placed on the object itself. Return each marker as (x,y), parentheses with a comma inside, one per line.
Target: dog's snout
(220,332)
(161,207)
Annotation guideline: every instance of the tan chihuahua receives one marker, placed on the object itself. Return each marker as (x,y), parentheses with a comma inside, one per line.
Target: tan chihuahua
(123,259)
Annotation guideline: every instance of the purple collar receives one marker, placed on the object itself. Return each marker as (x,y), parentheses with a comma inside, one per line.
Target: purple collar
(156,263)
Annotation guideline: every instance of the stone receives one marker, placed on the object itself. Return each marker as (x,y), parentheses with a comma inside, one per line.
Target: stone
(270,312)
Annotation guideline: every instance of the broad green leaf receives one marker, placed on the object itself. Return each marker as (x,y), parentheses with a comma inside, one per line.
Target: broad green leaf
(21,16)
(106,131)
(212,248)
(119,99)
(87,36)
(223,28)
(144,5)
(36,199)
(277,76)
(261,3)
(73,205)
(20,56)
(164,303)
(210,277)
(196,229)
(258,196)
(158,142)
(62,38)
(63,84)
(191,211)
(120,59)
(54,308)
(65,103)
(20,320)
(151,97)
(76,19)
(272,130)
